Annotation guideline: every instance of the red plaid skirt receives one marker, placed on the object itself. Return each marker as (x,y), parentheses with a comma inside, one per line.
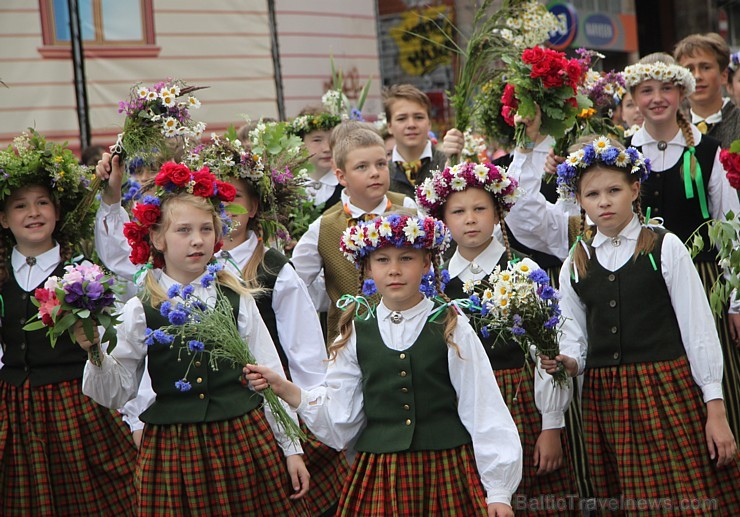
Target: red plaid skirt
(232,467)
(328,469)
(414,483)
(644,430)
(62,454)
(536,494)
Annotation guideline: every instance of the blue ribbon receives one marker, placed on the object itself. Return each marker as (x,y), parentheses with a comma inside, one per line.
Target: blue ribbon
(360,301)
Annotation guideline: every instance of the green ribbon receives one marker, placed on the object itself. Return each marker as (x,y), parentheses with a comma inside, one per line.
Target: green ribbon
(459,304)
(2,306)
(698,181)
(360,302)
(141,270)
(570,253)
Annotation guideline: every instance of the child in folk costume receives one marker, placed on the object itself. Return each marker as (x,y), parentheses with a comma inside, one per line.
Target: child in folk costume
(410,387)
(688,185)
(639,326)
(207,446)
(60,453)
(472,199)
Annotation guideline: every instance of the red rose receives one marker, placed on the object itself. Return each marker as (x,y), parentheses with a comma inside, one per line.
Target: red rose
(140,253)
(203,183)
(552,81)
(575,72)
(42,295)
(533,55)
(134,232)
(572,102)
(226,191)
(508,113)
(47,320)
(509,96)
(734,178)
(540,69)
(146,214)
(172,172)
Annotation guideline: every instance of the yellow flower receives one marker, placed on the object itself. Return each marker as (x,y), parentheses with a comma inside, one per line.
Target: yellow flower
(58,159)
(586,113)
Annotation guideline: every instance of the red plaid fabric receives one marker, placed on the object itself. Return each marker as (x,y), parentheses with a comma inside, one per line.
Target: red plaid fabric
(414,483)
(62,454)
(328,469)
(644,431)
(517,388)
(232,467)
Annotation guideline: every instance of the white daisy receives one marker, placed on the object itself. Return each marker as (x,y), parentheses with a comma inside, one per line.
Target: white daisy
(601,144)
(170,123)
(347,239)
(173,90)
(142,92)
(385,228)
(373,235)
(458,183)
(152,96)
(193,103)
(622,159)
(168,100)
(412,230)
(481,173)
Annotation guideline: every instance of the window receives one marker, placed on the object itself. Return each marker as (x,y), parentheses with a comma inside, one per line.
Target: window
(110,28)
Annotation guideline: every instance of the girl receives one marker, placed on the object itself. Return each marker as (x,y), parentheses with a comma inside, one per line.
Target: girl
(206,446)
(267,208)
(472,199)
(688,185)
(410,387)
(638,323)
(59,451)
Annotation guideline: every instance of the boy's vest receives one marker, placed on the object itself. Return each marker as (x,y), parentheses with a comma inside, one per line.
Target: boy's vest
(401,184)
(340,274)
(267,273)
(409,401)
(665,194)
(215,394)
(629,316)
(29,355)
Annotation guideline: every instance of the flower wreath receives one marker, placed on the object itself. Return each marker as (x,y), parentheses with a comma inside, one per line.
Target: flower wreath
(665,73)
(433,193)
(600,150)
(305,124)
(31,160)
(172,179)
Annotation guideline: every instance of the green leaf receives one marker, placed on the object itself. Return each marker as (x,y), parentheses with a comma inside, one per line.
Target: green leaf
(63,324)
(83,314)
(36,325)
(735,146)
(236,209)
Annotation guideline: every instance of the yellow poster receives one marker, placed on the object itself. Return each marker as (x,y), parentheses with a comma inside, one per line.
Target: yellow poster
(422,39)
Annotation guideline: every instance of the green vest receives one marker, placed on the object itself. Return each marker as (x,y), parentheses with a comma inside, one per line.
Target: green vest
(341,275)
(629,315)
(215,394)
(409,401)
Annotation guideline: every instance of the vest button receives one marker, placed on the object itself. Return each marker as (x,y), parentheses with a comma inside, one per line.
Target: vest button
(24,296)
(612,303)
(406,407)
(402,356)
(408,421)
(199,380)
(616,355)
(23,346)
(404,390)
(22,321)
(612,277)
(657,210)
(403,373)
(197,363)
(613,330)
(656,193)
(201,396)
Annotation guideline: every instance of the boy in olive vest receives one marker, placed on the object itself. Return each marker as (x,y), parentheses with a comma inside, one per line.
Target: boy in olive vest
(362,169)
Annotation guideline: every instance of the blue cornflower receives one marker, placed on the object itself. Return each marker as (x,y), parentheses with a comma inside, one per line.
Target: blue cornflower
(369,288)
(610,155)
(546,292)
(183,385)
(148,337)
(178,317)
(207,280)
(539,276)
(161,336)
(196,346)
(214,268)
(173,291)
(475,300)
(552,322)
(427,286)
(356,114)
(187,290)
(150,200)
(485,332)
(517,320)
(165,308)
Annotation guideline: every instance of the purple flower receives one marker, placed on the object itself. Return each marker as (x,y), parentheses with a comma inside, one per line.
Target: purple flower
(148,337)
(475,300)
(214,268)
(95,290)
(173,291)
(485,332)
(518,331)
(356,114)
(427,286)
(187,291)
(369,288)
(552,322)
(207,280)
(196,346)
(160,336)
(165,308)
(539,276)
(183,385)
(546,292)
(178,317)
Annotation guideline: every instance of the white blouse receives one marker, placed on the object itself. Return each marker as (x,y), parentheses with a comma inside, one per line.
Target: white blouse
(334,412)
(117,380)
(695,321)
(551,400)
(319,191)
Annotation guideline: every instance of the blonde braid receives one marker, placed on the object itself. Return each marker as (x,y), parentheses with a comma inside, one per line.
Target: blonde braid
(685,127)
(580,258)
(647,238)
(504,232)
(450,312)
(4,269)
(346,319)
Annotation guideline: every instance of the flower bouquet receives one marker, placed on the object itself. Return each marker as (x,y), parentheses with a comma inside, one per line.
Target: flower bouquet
(730,159)
(519,303)
(83,293)
(474,148)
(196,323)
(545,78)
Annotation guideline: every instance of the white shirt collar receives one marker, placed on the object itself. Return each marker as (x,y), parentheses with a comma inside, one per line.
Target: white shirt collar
(243,252)
(486,261)
(630,232)
(714,118)
(420,309)
(46,260)
(357,212)
(426,153)
(329,179)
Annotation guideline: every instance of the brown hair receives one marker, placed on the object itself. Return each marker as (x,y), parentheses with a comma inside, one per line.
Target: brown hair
(710,42)
(404,92)
(351,135)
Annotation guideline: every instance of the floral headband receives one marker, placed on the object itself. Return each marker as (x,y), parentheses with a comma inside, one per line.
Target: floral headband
(599,151)
(734,61)
(173,178)
(305,124)
(640,72)
(433,193)
(398,231)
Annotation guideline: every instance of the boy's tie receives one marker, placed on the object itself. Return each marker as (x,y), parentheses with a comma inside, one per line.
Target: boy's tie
(411,169)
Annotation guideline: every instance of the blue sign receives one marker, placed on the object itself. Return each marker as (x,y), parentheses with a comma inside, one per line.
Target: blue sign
(567,14)
(599,30)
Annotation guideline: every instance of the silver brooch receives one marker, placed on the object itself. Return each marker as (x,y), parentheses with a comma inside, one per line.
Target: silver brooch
(662,145)
(396,317)
(475,268)
(616,241)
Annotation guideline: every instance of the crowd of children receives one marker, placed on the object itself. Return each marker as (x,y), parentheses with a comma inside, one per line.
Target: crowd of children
(408,405)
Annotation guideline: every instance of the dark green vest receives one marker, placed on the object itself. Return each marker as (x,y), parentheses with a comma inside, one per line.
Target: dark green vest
(629,315)
(409,401)
(267,273)
(29,355)
(215,395)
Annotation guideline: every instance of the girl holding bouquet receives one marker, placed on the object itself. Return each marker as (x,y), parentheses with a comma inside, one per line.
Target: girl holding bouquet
(60,453)
(640,329)
(208,444)
(410,386)
(472,199)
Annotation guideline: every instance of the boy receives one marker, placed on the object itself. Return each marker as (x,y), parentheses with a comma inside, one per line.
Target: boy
(408,111)
(707,56)
(362,169)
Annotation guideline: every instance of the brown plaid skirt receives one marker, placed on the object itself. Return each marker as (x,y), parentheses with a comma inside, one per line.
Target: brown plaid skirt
(62,454)
(644,430)
(232,467)
(328,469)
(414,483)
(534,492)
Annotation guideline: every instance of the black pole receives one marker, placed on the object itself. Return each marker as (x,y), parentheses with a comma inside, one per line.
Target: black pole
(276,60)
(78,65)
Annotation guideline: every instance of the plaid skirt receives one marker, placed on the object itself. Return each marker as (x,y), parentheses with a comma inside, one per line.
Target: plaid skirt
(414,483)
(644,431)
(231,467)
(328,469)
(62,454)
(536,495)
